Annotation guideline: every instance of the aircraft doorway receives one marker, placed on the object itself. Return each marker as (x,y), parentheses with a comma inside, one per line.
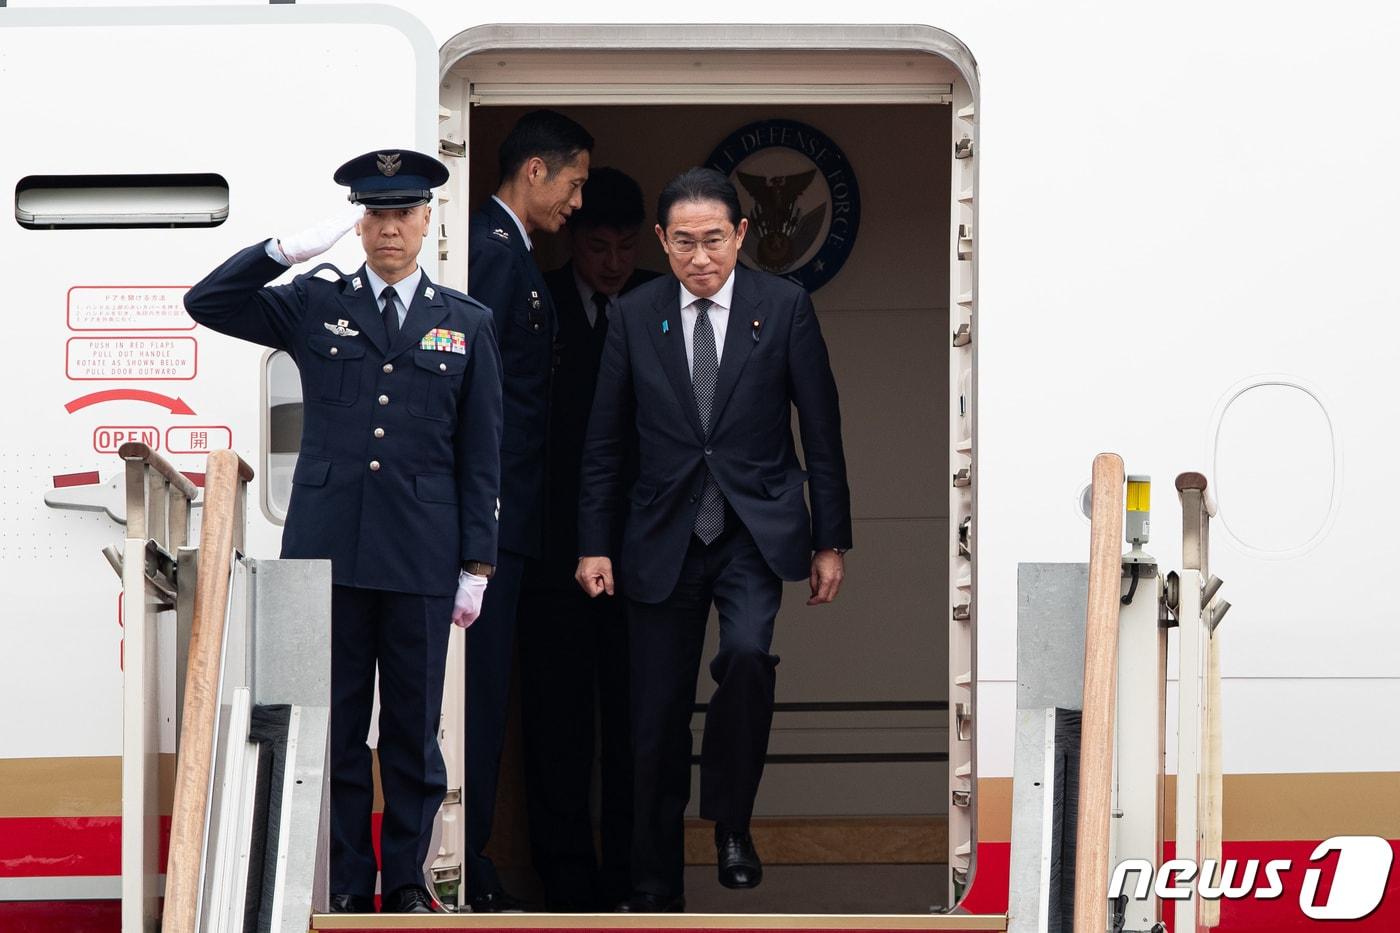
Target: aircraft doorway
(853,813)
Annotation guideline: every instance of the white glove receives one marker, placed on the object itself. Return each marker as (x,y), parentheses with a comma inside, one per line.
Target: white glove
(471,589)
(313,242)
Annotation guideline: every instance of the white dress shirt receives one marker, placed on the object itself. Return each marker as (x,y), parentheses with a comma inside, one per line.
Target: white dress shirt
(585,294)
(404,288)
(718,315)
(518,225)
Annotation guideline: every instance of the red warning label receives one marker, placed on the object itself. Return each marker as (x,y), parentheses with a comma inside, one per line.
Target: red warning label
(138,358)
(108,438)
(198,438)
(128,307)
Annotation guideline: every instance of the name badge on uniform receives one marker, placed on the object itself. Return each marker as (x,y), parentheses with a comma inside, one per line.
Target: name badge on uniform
(444,340)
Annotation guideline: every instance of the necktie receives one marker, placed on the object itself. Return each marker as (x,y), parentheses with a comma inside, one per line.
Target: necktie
(600,319)
(391,313)
(709,519)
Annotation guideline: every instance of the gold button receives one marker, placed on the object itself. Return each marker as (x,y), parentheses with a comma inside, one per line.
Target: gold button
(374,465)
(335,350)
(442,366)
(384,400)
(378,432)
(388,367)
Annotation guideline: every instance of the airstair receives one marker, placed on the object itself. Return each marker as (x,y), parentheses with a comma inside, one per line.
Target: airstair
(248,838)
(250,639)
(1090,798)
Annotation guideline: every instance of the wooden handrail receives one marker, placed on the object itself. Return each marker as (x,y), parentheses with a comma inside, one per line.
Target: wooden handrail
(134,450)
(199,722)
(1100,692)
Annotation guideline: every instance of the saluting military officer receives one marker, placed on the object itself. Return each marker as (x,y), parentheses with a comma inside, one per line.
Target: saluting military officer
(396,483)
(543,165)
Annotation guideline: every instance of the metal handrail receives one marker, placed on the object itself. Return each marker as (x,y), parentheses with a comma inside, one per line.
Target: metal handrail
(1197,509)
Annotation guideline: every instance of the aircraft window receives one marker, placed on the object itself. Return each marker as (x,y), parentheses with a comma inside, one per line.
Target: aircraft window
(1277,462)
(282,413)
(85,202)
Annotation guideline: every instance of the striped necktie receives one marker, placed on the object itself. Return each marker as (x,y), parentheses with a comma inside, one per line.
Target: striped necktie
(709,518)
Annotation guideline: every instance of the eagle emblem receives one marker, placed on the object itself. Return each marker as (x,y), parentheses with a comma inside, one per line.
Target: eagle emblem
(389,164)
(782,234)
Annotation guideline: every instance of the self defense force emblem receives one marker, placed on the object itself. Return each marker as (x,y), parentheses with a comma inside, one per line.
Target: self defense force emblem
(341,328)
(389,163)
(799,194)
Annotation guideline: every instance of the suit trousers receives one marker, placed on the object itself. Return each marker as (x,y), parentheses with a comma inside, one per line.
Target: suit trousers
(573,672)
(667,640)
(490,643)
(406,635)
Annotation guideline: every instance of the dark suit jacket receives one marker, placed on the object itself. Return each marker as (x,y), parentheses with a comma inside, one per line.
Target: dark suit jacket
(503,276)
(578,353)
(431,504)
(774,357)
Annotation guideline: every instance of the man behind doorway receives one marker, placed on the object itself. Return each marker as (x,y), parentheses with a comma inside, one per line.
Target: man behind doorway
(543,165)
(706,366)
(573,648)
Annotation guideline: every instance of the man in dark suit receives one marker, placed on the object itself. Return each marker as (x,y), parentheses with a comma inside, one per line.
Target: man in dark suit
(706,365)
(543,165)
(571,647)
(396,483)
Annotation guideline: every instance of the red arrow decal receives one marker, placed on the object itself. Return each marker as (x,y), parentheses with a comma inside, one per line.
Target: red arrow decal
(176,405)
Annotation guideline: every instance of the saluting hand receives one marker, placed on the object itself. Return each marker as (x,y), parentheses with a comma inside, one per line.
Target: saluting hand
(828,570)
(302,246)
(595,575)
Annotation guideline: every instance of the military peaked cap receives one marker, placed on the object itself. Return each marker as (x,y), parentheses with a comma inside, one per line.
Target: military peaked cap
(391,178)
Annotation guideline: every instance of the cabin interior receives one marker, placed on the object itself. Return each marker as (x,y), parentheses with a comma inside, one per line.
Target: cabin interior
(852,815)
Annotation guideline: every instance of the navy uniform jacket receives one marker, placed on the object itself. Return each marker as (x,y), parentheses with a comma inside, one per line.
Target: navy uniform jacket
(578,351)
(394,511)
(774,357)
(503,276)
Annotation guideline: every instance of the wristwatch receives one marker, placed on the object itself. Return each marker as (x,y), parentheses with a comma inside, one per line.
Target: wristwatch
(480,568)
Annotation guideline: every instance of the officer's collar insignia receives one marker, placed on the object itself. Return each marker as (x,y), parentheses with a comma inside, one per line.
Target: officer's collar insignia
(447,341)
(500,234)
(356,284)
(428,293)
(341,329)
(389,164)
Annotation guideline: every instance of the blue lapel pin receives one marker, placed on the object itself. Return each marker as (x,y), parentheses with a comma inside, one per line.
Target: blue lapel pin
(666,326)
(757,326)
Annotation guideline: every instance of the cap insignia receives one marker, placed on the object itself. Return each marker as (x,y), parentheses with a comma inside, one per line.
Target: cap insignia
(389,164)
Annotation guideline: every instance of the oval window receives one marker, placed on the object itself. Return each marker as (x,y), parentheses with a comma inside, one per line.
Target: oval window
(1277,467)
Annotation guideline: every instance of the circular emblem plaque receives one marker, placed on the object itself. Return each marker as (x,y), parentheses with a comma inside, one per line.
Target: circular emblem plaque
(800,196)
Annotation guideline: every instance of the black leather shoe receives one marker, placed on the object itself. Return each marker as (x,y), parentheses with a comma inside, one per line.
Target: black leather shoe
(644,903)
(497,902)
(739,866)
(351,904)
(409,899)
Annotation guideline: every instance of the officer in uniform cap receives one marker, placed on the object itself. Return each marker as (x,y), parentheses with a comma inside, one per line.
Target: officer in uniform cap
(396,484)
